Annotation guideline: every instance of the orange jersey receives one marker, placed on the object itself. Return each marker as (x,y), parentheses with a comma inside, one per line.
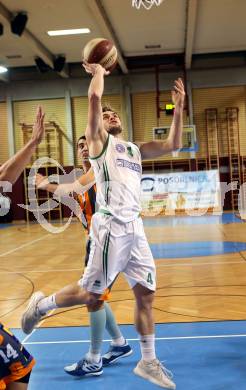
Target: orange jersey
(15,360)
(87,202)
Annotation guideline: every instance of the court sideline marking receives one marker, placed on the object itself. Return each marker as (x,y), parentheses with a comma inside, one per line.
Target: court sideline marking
(23,246)
(200,264)
(226,336)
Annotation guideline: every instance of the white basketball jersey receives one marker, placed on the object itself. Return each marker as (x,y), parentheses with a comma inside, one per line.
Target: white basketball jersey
(118,172)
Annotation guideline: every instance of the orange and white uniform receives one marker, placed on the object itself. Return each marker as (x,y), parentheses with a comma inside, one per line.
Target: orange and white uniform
(15,361)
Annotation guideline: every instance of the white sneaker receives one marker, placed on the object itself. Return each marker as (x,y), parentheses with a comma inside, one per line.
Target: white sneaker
(155,372)
(31,315)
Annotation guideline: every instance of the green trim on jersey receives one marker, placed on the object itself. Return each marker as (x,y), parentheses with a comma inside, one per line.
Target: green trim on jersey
(106,177)
(104,149)
(105,257)
(103,211)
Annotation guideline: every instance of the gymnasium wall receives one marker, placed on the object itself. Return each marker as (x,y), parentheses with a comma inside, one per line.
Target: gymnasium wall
(4,141)
(220,98)
(219,89)
(143,113)
(55,110)
(134,97)
(145,117)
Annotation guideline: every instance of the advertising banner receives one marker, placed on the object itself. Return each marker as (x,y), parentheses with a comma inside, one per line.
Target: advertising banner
(182,192)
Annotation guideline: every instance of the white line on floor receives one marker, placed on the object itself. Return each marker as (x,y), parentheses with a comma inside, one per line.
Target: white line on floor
(223,336)
(200,263)
(40,271)
(158,266)
(23,246)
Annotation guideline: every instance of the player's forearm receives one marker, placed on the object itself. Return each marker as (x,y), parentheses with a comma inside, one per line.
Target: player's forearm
(97,85)
(95,109)
(85,182)
(51,187)
(11,169)
(75,187)
(175,135)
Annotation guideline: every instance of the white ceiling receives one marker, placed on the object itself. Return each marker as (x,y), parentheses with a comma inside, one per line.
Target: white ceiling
(219,26)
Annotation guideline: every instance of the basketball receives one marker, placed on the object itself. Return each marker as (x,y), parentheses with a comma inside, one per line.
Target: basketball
(101,51)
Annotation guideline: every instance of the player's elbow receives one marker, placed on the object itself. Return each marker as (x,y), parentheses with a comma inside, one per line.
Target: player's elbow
(177,145)
(173,145)
(5,175)
(94,98)
(2,176)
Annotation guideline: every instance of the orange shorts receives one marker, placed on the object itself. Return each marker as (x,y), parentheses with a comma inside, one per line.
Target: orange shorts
(17,372)
(106,295)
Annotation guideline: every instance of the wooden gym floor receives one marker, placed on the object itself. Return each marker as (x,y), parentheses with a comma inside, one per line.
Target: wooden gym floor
(201,270)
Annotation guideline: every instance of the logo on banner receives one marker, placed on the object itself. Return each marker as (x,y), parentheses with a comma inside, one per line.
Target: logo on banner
(148,184)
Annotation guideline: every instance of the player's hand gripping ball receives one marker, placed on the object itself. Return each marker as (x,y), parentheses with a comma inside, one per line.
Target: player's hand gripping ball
(101,51)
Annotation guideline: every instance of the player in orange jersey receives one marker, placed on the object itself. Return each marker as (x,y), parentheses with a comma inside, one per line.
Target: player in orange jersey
(16,363)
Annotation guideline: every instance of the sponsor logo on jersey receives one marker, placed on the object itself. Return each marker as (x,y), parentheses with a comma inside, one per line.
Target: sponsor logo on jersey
(97,283)
(120,148)
(120,162)
(129,151)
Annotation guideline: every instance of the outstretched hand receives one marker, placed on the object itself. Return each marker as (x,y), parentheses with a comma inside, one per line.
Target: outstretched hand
(38,127)
(94,68)
(40,181)
(178,93)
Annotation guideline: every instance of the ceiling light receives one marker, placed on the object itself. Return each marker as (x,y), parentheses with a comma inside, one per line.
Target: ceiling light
(69,32)
(3,69)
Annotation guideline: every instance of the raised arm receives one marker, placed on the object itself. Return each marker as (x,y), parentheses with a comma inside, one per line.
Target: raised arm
(96,135)
(157,148)
(11,169)
(79,186)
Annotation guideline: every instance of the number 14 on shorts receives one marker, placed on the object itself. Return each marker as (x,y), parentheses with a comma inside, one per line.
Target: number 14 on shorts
(11,353)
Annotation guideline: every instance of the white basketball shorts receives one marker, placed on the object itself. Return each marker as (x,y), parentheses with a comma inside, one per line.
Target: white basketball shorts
(118,247)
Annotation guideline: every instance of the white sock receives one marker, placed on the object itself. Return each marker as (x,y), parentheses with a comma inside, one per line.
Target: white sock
(147,345)
(46,304)
(93,357)
(119,341)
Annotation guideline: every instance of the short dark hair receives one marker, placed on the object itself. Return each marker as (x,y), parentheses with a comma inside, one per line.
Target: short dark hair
(81,137)
(107,107)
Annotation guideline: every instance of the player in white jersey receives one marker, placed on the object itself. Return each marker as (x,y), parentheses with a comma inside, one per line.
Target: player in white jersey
(118,240)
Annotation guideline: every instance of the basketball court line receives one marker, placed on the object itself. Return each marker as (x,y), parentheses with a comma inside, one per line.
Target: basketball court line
(16,249)
(200,264)
(23,246)
(40,271)
(226,336)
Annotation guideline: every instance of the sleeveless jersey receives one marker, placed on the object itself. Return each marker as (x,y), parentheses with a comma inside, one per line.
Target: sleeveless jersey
(118,171)
(87,202)
(15,360)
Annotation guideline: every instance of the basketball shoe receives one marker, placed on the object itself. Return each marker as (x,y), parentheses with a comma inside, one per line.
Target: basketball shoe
(84,368)
(31,315)
(115,353)
(155,372)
